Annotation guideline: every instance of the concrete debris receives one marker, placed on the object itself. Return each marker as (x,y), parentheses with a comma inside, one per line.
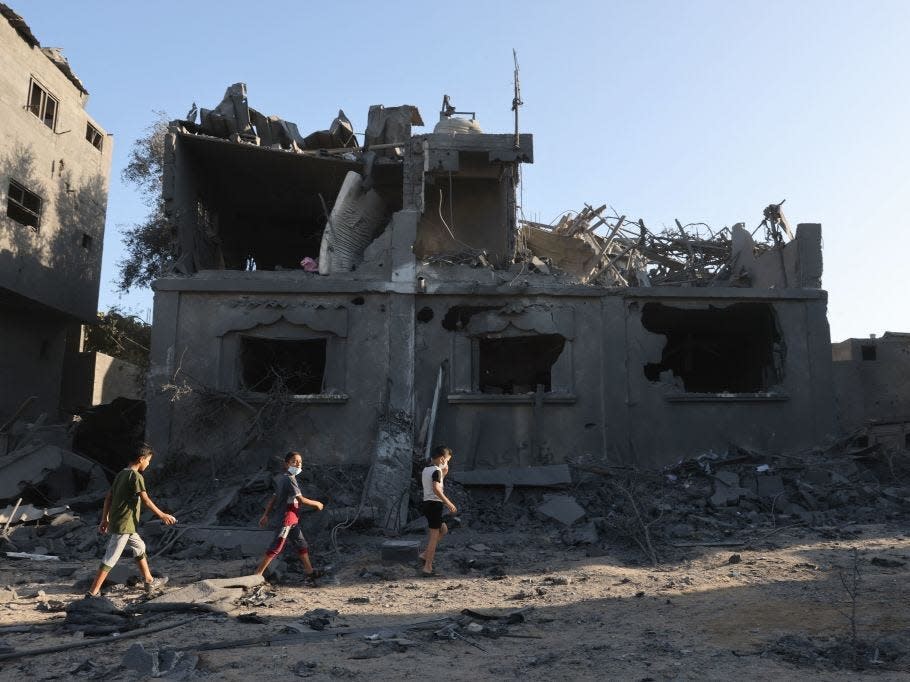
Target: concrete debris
(142,661)
(627,253)
(400,551)
(26,513)
(31,557)
(218,595)
(95,611)
(726,489)
(563,508)
(54,472)
(319,619)
(164,663)
(585,534)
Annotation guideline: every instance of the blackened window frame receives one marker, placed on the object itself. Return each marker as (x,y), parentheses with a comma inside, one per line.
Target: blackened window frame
(19,204)
(94,136)
(39,108)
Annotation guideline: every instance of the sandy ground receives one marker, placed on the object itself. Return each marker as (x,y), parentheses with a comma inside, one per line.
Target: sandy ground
(695,617)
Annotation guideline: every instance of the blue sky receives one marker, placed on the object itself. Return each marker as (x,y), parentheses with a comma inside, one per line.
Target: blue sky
(702,111)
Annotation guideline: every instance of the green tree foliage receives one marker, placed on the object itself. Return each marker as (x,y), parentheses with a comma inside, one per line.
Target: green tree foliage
(152,243)
(123,336)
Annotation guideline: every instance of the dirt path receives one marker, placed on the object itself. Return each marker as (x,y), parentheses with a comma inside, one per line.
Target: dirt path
(697,616)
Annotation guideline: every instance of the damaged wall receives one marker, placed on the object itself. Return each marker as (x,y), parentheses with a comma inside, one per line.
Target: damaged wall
(871,380)
(201,351)
(537,367)
(601,399)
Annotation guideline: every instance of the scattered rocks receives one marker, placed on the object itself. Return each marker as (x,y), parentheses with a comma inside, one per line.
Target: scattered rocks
(175,665)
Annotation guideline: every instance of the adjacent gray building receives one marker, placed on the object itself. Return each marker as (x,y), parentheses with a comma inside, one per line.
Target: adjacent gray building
(54,166)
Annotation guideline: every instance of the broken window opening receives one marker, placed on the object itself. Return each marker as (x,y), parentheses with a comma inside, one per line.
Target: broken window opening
(735,349)
(94,136)
(42,104)
(23,206)
(295,367)
(868,352)
(518,364)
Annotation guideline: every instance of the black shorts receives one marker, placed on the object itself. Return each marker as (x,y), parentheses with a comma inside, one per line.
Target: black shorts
(433,511)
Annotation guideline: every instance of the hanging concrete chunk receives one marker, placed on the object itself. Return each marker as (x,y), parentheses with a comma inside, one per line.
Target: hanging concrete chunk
(356,219)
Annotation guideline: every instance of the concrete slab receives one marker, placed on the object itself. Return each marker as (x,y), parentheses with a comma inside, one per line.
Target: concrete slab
(400,551)
(205,595)
(563,508)
(769,486)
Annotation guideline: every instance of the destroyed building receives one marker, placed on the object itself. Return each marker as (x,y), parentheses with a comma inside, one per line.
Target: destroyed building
(388,293)
(871,380)
(54,166)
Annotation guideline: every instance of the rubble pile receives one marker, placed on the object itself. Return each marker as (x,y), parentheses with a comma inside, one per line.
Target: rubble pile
(616,251)
(714,499)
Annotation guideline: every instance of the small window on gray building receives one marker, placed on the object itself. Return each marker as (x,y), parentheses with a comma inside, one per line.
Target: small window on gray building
(43,105)
(734,349)
(294,367)
(94,136)
(86,241)
(23,206)
(517,365)
(868,352)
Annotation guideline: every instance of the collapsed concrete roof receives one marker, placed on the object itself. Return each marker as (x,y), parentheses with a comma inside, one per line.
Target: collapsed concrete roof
(591,248)
(55,54)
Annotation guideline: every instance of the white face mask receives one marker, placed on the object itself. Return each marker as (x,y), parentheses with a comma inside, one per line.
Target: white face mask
(293,471)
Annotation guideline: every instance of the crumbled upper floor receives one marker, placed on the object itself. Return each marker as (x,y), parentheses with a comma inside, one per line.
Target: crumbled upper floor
(250,192)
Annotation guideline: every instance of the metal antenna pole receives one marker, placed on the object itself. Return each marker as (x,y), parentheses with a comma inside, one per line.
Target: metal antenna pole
(516,100)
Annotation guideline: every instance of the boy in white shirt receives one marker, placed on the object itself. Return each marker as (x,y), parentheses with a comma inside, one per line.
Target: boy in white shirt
(434,500)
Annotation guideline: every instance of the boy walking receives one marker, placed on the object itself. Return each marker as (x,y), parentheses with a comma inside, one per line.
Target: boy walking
(434,499)
(288,496)
(120,518)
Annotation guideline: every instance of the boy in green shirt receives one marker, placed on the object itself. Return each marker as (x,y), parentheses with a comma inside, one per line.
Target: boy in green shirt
(120,518)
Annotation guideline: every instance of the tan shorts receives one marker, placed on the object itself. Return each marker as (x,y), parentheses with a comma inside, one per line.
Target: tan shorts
(118,543)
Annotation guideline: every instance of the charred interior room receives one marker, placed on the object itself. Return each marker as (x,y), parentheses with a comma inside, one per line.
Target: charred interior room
(517,364)
(265,209)
(732,349)
(468,201)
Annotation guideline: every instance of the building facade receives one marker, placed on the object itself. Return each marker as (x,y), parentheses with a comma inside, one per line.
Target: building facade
(54,166)
(424,322)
